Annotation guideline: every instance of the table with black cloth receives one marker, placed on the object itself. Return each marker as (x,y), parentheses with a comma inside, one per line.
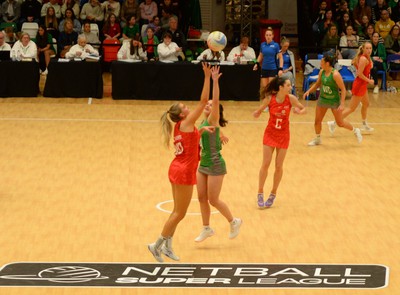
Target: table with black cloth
(180,81)
(19,78)
(74,79)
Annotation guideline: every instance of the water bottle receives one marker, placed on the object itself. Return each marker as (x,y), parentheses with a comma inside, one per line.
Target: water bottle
(13,55)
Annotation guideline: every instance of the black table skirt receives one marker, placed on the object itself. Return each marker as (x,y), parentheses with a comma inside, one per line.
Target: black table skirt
(74,79)
(19,79)
(180,81)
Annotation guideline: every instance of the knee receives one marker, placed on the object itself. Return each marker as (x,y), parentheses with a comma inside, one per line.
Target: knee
(202,198)
(278,168)
(178,216)
(214,202)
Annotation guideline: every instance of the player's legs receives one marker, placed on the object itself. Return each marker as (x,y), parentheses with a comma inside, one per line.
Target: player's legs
(203,198)
(267,157)
(319,116)
(364,106)
(353,104)
(340,121)
(213,191)
(279,159)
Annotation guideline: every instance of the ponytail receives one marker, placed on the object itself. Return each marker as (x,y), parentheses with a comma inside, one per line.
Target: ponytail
(166,126)
(222,121)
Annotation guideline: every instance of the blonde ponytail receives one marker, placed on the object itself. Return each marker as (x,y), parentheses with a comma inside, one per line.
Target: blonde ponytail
(166,125)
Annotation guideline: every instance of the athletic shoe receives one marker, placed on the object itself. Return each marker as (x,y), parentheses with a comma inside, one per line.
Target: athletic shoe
(331,126)
(235,227)
(156,252)
(260,200)
(366,128)
(376,90)
(357,133)
(169,253)
(270,200)
(45,72)
(315,141)
(205,233)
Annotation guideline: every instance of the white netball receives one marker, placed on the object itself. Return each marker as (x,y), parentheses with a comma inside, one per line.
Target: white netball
(216,41)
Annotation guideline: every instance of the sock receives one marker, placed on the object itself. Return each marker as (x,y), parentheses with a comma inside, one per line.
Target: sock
(160,241)
(168,242)
(318,135)
(206,227)
(364,122)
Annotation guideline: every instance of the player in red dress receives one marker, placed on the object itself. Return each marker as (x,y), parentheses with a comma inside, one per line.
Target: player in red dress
(277,135)
(182,171)
(363,63)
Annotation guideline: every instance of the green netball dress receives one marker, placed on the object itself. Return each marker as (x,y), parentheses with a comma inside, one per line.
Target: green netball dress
(211,161)
(329,93)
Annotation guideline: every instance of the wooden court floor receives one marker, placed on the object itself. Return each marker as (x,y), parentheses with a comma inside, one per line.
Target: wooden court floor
(80,182)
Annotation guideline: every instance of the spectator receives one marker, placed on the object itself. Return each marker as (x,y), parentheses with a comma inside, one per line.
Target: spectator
(67,38)
(344,22)
(209,54)
(71,4)
(328,21)
(131,30)
(112,29)
(362,29)
(45,48)
(392,42)
(377,10)
(69,14)
(91,37)
(360,10)
(129,7)
(132,50)
(148,9)
(11,11)
(3,45)
(111,7)
(155,25)
(243,52)
(378,57)
(384,25)
(93,12)
(167,10)
(55,5)
(289,65)
(30,12)
(150,43)
(82,49)
(349,44)
(177,35)
(24,48)
(344,8)
(51,23)
(167,50)
(331,40)
(368,36)
(10,36)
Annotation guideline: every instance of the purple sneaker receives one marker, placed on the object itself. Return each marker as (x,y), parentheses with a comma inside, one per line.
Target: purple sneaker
(270,200)
(260,200)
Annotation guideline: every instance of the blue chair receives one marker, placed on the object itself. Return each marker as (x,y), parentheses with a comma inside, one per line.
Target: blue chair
(383,74)
(313,76)
(390,59)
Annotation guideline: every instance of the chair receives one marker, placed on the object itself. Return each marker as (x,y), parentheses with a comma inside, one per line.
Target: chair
(390,59)
(5,25)
(30,28)
(94,28)
(110,49)
(313,66)
(347,75)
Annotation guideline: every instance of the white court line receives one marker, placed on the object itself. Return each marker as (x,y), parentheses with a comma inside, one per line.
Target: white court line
(159,207)
(157,121)
(90,100)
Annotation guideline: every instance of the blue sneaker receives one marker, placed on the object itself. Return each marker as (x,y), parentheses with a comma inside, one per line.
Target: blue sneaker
(260,200)
(270,200)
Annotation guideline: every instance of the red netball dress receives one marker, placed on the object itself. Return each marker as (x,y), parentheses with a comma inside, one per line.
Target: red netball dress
(187,155)
(277,133)
(359,85)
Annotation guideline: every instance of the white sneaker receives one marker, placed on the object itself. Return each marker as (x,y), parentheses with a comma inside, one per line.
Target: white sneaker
(45,72)
(169,253)
(331,126)
(357,133)
(156,252)
(366,128)
(235,227)
(376,90)
(315,141)
(205,233)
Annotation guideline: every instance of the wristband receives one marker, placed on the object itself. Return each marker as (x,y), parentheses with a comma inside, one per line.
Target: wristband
(281,69)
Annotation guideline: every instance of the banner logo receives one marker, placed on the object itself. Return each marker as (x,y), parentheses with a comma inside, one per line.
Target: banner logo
(148,275)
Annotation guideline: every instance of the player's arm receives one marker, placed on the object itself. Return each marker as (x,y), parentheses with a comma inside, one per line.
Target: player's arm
(314,86)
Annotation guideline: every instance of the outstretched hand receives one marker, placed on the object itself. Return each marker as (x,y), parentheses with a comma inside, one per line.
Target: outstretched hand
(215,74)
(206,69)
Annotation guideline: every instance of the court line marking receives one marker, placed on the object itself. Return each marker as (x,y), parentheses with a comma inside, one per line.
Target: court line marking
(159,207)
(157,121)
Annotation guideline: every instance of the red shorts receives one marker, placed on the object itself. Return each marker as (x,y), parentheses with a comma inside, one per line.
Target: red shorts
(180,173)
(276,139)
(359,87)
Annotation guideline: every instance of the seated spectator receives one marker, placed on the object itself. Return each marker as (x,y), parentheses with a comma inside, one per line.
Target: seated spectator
(384,25)
(3,45)
(327,23)
(69,14)
(168,50)
(360,10)
(91,37)
(55,5)
(67,38)
(11,11)
(368,36)
(392,41)
(150,43)
(111,7)
(344,22)
(289,65)
(168,7)
(45,49)
(51,23)
(377,10)
(330,42)
(343,8)
(112,29)
(319,18)
(155,25)
(148,9)
(209,54)
(24,48)
(10,36)
(70,4)
(243,52)
(93,12)
(177,35)
(195,49)
(131,30)
(129,8)
(82,49)
(378,57)
(395,10)
(349,40)
(362,29)
(30,12)
(132,50)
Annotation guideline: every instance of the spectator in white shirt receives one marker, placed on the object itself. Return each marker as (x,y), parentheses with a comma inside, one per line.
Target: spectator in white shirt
(82,49)
(3,45)
(24,48)
(208,54)
(132,50)
(242,53)
(168,50)
(55,5)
